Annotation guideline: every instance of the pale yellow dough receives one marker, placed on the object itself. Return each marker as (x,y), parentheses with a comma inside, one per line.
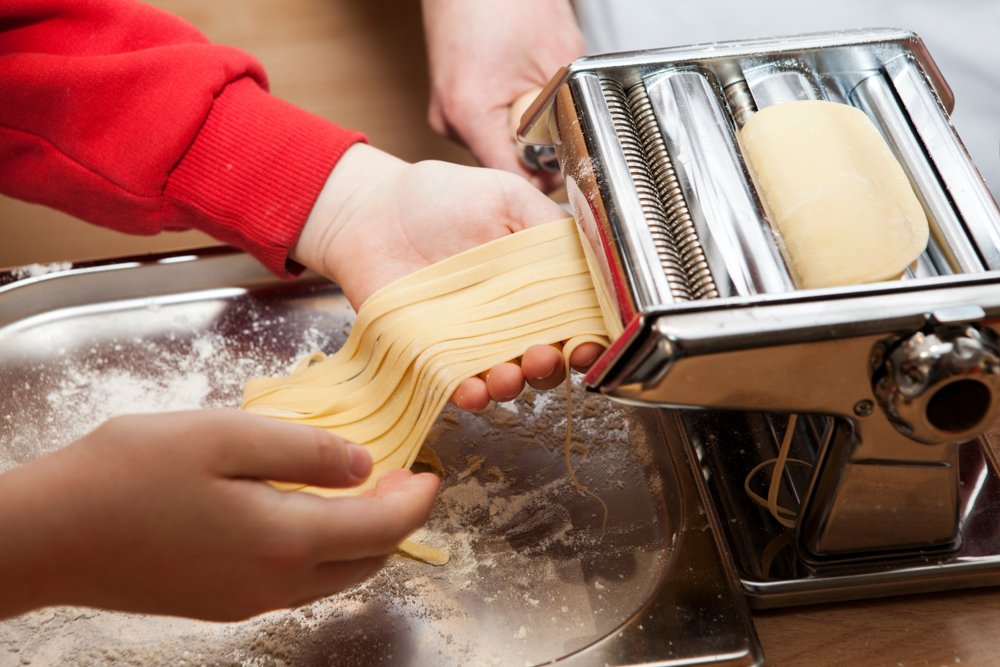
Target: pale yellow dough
(836,194)
(416,339)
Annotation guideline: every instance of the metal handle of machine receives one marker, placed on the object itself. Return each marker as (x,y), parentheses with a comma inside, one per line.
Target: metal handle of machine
(540,158)
(535,157)
(942,386)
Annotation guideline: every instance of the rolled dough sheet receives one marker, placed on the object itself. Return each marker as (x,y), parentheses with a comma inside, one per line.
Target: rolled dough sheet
(841,203)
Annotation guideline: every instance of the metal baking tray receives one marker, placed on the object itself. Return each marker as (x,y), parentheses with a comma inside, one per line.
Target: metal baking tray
(535,576)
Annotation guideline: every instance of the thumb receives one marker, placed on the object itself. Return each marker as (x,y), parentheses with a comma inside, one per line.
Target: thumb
(493,144)
(527,206)
(259,447)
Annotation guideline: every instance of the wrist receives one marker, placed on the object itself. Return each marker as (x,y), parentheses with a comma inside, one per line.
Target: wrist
(251,171)
(358,174)
(27,577)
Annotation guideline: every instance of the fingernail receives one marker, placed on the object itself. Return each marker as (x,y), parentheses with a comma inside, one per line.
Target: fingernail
(590,358)
(552,371)
(420,480)
(360,461)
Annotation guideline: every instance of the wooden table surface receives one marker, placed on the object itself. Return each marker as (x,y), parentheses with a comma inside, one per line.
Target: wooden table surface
(362,64)
(937,629)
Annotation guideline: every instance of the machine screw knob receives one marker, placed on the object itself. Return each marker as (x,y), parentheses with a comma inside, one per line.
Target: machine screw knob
(942,386)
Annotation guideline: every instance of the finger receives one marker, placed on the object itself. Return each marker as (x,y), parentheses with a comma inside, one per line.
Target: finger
(263,448)
(327,579)
(493,145)
(543,366)
(543,180)
(490,139)
(374,524)
(435,116)
(547,182)
(505,381)
(400,480)
(526,206)
(471,395)
(584,356)
(505,153)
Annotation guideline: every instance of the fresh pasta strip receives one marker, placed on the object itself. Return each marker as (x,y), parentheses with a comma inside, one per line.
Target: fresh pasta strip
(414,341)
(568,446)
(427,554)
(783,515)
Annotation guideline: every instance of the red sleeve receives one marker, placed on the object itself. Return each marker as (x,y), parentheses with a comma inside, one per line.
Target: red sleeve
(127,117)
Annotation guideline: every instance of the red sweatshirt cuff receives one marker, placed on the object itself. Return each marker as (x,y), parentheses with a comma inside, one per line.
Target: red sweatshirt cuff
(253,172)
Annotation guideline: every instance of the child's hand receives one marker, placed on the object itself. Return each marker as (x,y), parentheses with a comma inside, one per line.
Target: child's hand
(380,218)
(168,514)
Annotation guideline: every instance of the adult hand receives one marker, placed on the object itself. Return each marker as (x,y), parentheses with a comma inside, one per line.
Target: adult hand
(168,514)
(379,219)
(485,55)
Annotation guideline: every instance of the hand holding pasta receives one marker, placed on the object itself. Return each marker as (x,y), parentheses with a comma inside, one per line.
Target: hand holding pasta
(380,218)
(167,514)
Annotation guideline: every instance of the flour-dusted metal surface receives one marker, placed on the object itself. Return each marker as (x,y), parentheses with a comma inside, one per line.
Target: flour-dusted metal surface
(535,573)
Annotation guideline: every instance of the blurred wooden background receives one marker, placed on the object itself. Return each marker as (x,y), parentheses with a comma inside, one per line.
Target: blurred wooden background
(361,64)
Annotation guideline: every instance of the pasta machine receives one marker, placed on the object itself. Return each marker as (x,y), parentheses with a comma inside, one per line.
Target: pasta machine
(895,385)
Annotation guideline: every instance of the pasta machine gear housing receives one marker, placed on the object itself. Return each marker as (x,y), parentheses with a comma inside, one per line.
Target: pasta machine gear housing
(896,383)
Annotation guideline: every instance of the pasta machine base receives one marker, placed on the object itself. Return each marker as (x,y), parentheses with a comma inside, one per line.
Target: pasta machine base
(886,380)
(774,573)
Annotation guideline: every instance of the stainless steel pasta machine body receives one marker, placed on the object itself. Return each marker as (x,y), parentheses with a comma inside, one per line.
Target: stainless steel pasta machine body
(898,382)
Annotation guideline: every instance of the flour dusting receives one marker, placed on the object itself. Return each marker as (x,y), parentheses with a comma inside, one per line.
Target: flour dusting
(533,573)
(36,270)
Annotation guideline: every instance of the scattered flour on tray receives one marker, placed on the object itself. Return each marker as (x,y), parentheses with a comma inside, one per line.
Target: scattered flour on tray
(152,376)
(491,605)
(514,581)
(35,270)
